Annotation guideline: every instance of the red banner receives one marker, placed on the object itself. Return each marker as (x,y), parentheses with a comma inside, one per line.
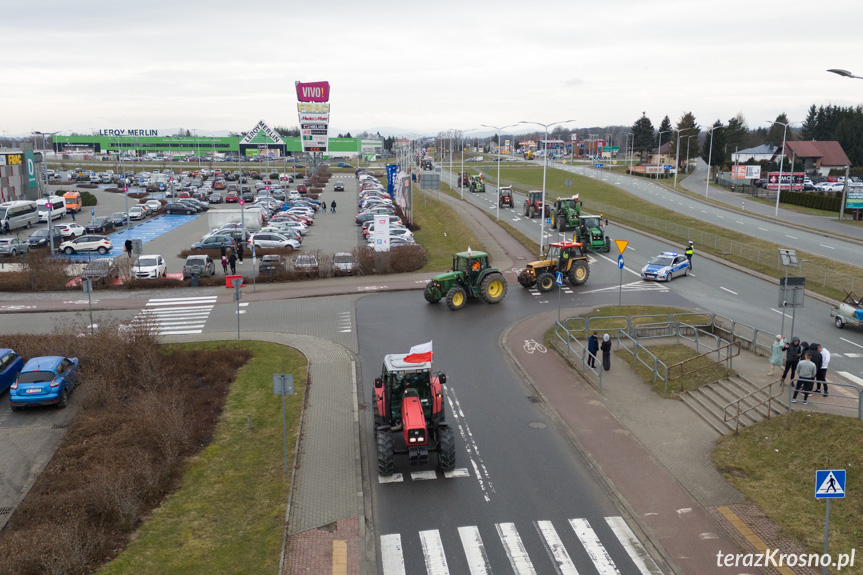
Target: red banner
(313,91)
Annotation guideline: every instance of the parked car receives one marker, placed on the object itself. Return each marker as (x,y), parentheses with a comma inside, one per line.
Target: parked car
(306,264)
(343,264)
(272,240)
(88,243)
(10,365)
(149,267)
(215,198)
(137,213)
(118,218)
(39,238)
(101,271)
(13,247)
(232,197)
(214,242)
(153,205)
(202,265)
(178,208)
(46,380)
(271,264)
(70,230)
(99,225)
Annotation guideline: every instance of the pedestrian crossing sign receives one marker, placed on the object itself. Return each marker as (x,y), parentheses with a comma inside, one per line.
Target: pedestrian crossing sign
(829,483)
(559,279)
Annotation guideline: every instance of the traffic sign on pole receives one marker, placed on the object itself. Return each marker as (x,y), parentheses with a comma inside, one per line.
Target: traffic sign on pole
(558,279)
(621,245)
(597,165)
(830,484)
(548,220)
(620,261)
(92,211)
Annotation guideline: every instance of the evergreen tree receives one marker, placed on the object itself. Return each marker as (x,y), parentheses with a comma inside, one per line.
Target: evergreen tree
(777,131)
(665,125)
(808,130)
(734,136)
(718,140)
(643,136)
(686,126)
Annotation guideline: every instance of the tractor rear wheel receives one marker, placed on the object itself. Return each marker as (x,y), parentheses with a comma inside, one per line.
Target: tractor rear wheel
(430,295)
(545,282)
(493,288)
(456,298)
(525,211)
(446,452)
(531,212)
(385,453)
(578,273)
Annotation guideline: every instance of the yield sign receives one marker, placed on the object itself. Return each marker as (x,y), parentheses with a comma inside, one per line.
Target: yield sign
(621,245)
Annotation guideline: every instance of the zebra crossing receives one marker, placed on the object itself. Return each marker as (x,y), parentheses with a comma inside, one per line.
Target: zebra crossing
(176,315)
(424,475)
(506,537)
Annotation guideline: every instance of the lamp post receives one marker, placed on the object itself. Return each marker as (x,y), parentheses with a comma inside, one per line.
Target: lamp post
(544,167)
(709,158)
(497,214)
(677,154)
(46,192)
(659,150)
(781,163)
(844,73)
(687,149)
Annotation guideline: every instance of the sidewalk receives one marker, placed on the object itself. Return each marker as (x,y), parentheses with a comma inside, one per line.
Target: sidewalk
(682,502)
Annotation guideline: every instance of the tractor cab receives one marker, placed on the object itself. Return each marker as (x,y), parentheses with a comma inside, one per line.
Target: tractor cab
(571,250)
(409,414)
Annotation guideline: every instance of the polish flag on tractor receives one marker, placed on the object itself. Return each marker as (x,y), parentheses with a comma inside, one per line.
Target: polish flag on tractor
(420,353)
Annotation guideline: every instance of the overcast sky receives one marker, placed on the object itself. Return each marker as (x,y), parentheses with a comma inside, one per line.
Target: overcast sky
(421,67)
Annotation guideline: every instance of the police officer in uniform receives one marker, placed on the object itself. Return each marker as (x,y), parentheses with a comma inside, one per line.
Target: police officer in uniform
(689,251)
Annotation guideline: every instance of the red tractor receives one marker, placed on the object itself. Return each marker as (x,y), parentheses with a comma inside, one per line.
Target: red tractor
(504,196)
(533,206)
(409,415)
(463,180)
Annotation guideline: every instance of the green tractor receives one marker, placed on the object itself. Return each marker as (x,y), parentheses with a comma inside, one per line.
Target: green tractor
(591,235)
(565,213)
(476,184)
(471,276)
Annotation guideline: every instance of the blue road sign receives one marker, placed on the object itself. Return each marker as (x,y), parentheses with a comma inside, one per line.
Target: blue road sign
(620,261)
(666,167)
(92,211)
(597,165)
(548,220)
(558,278)
(829,484)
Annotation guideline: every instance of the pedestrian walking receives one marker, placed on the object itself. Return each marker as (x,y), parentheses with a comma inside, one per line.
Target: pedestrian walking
(73,215)
(606,352)
(821,376)
(690,251)
(232,261)
(127,245)
(776,354)
(224,250)
(333,206)
(805,377)
(6,226)
(792,357)
(224,264)
(240,250)
(592,348)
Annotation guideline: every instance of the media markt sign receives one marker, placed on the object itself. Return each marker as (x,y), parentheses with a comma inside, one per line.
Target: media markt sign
(313,109)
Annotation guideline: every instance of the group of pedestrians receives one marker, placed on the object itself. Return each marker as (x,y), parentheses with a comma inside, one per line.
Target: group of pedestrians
(229,258)
(332,207)
(809,360)
(594,346)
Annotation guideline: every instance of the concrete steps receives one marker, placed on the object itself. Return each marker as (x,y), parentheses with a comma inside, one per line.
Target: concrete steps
(709,402)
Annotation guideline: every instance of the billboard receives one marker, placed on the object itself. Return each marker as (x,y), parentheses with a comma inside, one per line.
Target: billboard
(854,201)
(795,181)
(381,235)
(314,115)
(313,91)
(746,172)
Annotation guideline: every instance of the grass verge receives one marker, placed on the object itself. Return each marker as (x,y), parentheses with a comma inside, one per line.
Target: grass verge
(228,516)
(442,232)
(703,369)
(829,276)
(772,463)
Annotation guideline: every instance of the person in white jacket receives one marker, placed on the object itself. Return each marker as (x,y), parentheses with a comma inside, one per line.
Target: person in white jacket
(821,378)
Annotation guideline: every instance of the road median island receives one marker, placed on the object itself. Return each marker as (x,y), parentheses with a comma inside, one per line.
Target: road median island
(161,444)
(827,277)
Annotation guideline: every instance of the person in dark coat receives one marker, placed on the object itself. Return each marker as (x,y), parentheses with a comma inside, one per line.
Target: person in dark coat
(333,206)
(815,357)
(592,348)
(240,250)
(128,247)
(232,261)
(606,352)
(224,250)
(792,357)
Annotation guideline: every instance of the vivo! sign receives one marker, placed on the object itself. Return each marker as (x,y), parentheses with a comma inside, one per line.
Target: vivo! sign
(313,91)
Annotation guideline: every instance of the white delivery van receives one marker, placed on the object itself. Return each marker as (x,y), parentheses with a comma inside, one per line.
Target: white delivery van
(53,207)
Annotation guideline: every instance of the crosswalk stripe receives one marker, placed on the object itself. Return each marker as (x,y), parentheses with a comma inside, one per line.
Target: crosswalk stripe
(474,550)
(421,475)
(391,555)
(167,310)
(185,332)
(597,552)
(459,472)
(155,301)
(554,546)
(515,550)
(645,563)
(394,478)
(433,552)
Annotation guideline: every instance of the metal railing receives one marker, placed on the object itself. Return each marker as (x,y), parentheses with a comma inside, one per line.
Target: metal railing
(566,337)
(856,394)
(739,401)
(728,347)
(659,369)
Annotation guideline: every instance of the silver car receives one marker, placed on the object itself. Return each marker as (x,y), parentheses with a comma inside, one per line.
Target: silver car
(13,247)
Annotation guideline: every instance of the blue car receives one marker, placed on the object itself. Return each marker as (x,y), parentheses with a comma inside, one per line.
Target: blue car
(46,380)
(665,267)
(10,364)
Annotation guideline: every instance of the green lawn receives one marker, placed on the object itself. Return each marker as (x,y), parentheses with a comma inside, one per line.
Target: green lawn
(699,370)
(442,232)
(773,463)
(827,276)
(228,515)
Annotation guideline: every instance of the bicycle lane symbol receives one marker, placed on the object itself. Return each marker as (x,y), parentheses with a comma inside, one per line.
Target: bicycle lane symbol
(531,345)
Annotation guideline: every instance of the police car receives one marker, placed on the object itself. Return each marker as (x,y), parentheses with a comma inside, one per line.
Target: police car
(665,267)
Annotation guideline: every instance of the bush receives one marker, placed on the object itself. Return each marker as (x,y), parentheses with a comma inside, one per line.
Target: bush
(144,411)
(274,176)
(40,272)
(88,199)
(400,259)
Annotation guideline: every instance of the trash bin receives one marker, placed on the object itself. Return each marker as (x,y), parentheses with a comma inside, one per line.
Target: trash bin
(195,279)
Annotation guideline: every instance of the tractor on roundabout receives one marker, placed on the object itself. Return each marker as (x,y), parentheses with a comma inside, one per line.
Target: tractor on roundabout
(410,416)
(564,257)
(471,276)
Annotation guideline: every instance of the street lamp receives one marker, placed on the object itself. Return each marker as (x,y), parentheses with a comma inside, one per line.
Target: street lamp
(844,73)
(659,149)
(782,163)
(677,154)
(497,215)
(709,158)
(544,167)
(687,149)
(47,192)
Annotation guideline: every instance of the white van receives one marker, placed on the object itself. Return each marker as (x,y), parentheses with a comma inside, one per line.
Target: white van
(20,214)
(53,207)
